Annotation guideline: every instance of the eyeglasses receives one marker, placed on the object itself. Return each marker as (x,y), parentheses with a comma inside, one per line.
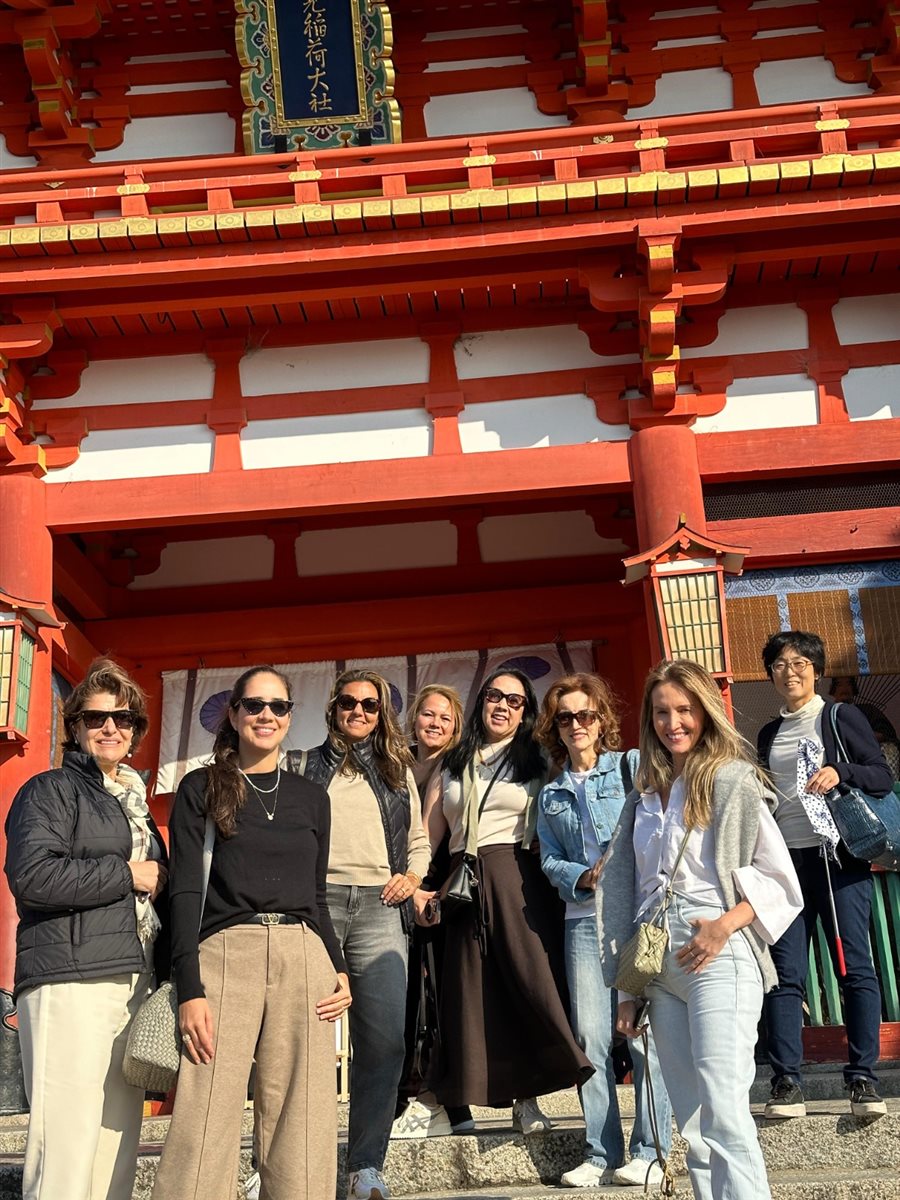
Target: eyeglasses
(96,718)
(347,703)
(254,705)
(585,716)
(513,699)
(781,666)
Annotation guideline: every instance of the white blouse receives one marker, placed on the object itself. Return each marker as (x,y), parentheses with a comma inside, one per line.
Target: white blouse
(769,884)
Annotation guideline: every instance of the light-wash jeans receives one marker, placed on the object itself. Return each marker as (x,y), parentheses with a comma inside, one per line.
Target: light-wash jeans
(376,950)
(705,1027)
(593,1015)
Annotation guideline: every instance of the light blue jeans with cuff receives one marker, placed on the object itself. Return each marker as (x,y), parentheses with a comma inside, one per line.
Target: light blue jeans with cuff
(593,1016)
(705,1025)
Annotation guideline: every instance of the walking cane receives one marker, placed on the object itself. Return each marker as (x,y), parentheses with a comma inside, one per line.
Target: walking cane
(838,944)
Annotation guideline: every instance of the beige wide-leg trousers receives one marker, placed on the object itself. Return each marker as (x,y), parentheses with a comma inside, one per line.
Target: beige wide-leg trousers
(262,984)
(85,1121)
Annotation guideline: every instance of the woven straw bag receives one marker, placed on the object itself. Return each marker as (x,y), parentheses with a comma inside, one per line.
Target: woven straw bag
(642,957)
(153,1049)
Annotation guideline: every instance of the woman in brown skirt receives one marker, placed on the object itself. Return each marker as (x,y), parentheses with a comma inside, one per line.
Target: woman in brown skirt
(505,1035)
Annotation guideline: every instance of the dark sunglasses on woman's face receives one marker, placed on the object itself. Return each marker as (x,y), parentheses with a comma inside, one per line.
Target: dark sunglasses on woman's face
(96,718)
(253,706)
(513,699)
(347,703)
(585,716)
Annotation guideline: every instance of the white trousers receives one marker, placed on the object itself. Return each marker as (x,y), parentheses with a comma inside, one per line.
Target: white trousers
(85,1121)
(705,1030)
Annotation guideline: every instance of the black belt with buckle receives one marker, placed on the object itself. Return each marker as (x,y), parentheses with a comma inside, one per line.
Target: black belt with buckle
(271,919)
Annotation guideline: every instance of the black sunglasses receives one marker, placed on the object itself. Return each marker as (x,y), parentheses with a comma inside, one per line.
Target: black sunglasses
(253,706)
(585,716)
(96,718)
(347,703)
(513,699)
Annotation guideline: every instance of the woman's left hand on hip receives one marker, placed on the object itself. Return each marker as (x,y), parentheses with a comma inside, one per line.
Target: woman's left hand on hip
(704,946)
(333,1007)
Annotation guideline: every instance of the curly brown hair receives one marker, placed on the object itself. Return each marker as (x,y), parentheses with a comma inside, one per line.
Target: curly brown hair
(602,699)
(104,675)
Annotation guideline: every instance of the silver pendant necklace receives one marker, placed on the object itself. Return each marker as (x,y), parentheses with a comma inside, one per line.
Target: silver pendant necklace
(260,792)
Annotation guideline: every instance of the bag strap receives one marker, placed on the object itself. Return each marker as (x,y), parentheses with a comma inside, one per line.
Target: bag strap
(471,844)
(625,772)
(667,1184)
(832,720)
(670,889)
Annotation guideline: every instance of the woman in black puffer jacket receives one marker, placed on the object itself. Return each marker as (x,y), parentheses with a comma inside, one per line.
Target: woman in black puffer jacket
(86,865)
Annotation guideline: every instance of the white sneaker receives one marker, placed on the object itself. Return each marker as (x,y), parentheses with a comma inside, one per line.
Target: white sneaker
(638,1172)
(367,1184)
(252,1186)
(587,1175)
(528,1117)
(467,1126)
(421,1120)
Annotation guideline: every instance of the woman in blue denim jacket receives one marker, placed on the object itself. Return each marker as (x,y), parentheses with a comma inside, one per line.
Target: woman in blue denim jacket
(578,811)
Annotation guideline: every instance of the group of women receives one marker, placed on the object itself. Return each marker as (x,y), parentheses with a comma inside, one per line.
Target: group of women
(296,880)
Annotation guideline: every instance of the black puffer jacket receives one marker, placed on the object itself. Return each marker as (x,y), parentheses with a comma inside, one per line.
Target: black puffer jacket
(68,846)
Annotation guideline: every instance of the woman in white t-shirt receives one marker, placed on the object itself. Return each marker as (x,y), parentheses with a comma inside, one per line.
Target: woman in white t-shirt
(505,1034)
(579,729)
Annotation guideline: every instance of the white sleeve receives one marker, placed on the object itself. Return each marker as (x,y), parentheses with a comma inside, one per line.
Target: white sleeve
(770,885)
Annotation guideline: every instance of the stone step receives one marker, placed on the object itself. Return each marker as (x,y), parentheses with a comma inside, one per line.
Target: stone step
(837,1151)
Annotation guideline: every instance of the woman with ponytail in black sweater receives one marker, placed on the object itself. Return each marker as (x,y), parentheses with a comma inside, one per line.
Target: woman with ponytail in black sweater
(257,966)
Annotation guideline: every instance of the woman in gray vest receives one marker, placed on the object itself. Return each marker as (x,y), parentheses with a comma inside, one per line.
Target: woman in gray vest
(379,854)
(700,832)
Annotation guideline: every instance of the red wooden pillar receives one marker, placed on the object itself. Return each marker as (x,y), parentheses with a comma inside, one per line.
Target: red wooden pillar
(26,570)
(665,474)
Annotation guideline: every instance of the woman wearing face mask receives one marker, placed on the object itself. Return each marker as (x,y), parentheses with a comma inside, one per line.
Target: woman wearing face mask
(264,977)
(435,726)
(379,854)
(86,865)
(579,729)
(700,827)
(504,1031)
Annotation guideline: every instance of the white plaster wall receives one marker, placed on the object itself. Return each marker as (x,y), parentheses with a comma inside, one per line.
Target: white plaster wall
(140,454)
(452,35)
(471,64)
(140,381)
(499,111)
(873,393)
(802,79)
(770,402)
(13,162)
(337,438)
(213,560)
(173,137)
(178,56)
(538,421)
(670,14)
(531,536)
(376,548)
(706,89)
(330,368)
(676,43)
(525,351)
(762,34)
(860,319)
(776,4)
(756,330)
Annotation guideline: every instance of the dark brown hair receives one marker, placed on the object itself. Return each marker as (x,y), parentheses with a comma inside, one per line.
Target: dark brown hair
(392,755)
(600,695)
(104,675)
(226,790)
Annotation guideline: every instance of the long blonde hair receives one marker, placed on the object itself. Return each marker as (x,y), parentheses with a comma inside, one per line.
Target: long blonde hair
(719,743)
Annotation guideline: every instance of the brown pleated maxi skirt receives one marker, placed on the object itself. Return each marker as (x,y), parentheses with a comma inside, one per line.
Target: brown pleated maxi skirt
(505,1034)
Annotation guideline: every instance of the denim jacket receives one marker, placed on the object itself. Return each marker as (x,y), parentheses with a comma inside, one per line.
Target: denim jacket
(559,828)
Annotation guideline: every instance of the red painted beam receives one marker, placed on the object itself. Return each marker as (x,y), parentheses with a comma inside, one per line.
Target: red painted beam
(810,449)
(822,537)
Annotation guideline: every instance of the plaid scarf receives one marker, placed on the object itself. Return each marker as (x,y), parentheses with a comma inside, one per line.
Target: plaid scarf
(131,792)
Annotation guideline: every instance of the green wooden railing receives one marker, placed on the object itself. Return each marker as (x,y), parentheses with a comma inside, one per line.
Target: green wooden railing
(822,991)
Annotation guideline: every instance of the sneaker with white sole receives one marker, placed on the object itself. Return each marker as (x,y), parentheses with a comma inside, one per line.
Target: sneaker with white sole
(864,1100)
(640,1172)
(367,1184)
(465,1126)
(252,1186)
(528,1117)
(421,1120)
(786,1101)
(587,1175)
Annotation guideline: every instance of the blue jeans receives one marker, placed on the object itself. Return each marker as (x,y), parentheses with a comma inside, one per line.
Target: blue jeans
(861,995)
(705,1027)
(593,1014)
(375,947)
